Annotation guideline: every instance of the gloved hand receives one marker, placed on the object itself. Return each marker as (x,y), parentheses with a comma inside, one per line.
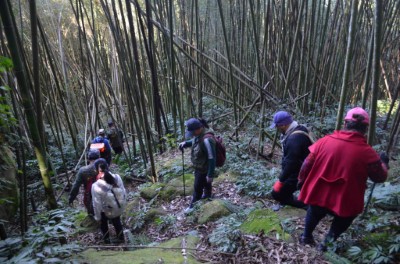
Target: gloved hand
(385,159)
(209,179)
(181,146)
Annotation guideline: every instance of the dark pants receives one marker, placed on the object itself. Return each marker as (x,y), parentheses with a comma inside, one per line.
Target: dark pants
(316,213)
(117,225)
(200,185)
(285,196)
(118,149)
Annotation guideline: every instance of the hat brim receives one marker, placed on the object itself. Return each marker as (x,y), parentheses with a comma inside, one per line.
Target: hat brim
(188,134)
(273,125)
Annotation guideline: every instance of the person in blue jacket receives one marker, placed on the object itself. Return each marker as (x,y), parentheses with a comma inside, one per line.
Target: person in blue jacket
(106,154)
(203,157)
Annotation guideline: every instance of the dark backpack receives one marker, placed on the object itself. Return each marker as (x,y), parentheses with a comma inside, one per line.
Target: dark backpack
(219,149)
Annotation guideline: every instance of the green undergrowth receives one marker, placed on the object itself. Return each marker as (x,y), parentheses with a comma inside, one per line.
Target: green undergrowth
(46,241)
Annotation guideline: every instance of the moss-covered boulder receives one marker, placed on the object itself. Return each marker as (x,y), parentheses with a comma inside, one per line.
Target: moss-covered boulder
(9,198)
(174,187)
(169,252)
(266,221)
(133,206)
(214,210)
(154,213)
(151,191)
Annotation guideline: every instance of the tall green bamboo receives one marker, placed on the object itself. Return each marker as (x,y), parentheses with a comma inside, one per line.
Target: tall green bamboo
(346,71)
(25,87)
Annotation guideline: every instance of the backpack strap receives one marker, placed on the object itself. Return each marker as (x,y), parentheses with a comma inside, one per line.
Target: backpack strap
(303,133)
(115,197)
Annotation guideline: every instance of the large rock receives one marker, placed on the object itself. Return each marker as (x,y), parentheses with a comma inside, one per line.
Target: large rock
(169,252)
(150,192)
(214,210)
(174,187)
(153,213)
(266,221)
(9,198)
(133,206)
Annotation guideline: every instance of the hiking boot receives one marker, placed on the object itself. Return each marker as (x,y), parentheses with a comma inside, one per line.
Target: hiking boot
(306,240)
(188,210)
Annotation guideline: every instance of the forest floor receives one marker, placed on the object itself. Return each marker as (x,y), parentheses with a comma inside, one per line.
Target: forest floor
(253,248)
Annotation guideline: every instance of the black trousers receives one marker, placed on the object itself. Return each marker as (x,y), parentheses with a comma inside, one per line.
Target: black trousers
(316,213)
(117,225)
(285,196)
(200,185)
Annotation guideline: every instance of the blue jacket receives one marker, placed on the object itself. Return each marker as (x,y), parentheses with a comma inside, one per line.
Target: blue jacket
(100,139)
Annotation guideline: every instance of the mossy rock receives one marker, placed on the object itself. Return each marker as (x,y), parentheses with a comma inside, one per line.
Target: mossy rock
(9,192)
(146,256)
(153,213)
(85,223)
(214,210)
(133,206)
(263,220)
(174,187)
(291,212)
(150,192)
(229,176)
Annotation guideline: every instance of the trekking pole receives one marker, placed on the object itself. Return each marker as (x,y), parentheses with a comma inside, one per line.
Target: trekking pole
(369,200)
(183,173)
(370,194)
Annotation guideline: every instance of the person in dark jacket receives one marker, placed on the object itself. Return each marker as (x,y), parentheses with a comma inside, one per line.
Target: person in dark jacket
(295,141)
(334,176)
(106,154)
(86,176)
(115,136)
(203,157)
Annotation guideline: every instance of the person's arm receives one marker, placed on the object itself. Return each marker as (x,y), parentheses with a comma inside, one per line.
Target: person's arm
(295,148)
(305,169)
(185,144)
(211,155)
(377,171)
(75,188)
(96,203)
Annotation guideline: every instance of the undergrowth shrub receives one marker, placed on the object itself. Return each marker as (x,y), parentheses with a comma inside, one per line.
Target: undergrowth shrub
(46,241)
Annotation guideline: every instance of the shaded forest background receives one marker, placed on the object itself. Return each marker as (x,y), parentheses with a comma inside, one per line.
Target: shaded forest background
(67,67)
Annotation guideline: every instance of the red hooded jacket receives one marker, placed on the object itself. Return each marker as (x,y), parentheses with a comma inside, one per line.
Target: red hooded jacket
(336,171)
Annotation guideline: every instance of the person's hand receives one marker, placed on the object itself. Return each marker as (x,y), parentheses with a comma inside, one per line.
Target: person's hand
(209,179)
(385,159)
(181,146)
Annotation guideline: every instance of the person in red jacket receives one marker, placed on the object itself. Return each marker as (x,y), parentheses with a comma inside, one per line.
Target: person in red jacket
(334,175)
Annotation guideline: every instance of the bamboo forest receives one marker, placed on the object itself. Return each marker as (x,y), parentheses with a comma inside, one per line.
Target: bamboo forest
(200,131)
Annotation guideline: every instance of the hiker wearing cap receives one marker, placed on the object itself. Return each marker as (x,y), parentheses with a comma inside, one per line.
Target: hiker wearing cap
(106,152)
(109,200)
(115,136)
(85,176)
(203,157)
(295,141)
(334,176)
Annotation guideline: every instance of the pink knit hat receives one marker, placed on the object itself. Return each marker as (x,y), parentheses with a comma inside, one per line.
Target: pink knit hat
(352,115)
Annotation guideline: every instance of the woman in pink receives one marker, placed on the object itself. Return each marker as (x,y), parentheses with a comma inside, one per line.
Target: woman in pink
(334,176)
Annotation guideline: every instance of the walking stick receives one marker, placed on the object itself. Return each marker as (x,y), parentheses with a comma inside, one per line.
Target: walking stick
(183,173)
(369,200)
(372,190)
